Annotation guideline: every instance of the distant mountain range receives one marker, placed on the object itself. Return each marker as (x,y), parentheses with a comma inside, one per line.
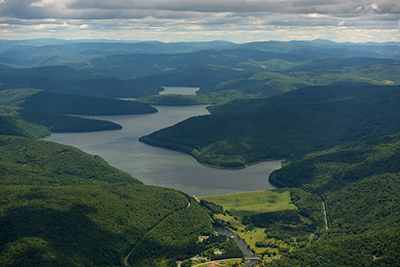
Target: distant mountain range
(330,110)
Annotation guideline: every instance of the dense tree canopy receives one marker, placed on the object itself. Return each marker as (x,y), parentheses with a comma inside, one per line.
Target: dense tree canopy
(60,206)
(359,183)
(297,122)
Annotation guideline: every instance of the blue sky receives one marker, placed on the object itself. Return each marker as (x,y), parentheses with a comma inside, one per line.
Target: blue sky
(202,20)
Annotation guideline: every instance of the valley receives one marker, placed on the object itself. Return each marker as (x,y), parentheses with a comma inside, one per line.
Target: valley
(157,166)
(151,146)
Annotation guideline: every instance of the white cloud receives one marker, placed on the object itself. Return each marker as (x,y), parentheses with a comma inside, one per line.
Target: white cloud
(232,19)
(42,3)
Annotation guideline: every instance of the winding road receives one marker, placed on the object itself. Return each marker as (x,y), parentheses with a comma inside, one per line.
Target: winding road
(189,204)
(326,224)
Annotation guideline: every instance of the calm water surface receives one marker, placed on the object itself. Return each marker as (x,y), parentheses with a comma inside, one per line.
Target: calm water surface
(179,90)
(161,167)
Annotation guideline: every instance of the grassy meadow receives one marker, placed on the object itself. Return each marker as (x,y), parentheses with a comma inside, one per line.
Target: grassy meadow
(249,203)
(244,211)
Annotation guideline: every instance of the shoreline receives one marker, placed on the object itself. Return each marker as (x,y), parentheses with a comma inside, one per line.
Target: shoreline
(241,167)
(44,137)
(146,137)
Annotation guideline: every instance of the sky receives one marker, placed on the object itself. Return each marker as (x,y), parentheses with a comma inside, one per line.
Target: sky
(237,21)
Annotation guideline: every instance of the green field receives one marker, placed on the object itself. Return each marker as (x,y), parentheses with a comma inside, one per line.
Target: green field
(251,203)
(257,235)
(256,202)
(225,263)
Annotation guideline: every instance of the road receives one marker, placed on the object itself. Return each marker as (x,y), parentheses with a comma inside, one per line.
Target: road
(130,252)
(326,219)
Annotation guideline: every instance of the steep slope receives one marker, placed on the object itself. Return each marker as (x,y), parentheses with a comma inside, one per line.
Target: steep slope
(359,183)
(37,123)
(11,125)
(300,121)
(60,206)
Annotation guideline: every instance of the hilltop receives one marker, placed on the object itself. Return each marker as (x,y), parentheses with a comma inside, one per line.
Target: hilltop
(359,183)
(300,121)
(61,206)
(330,110)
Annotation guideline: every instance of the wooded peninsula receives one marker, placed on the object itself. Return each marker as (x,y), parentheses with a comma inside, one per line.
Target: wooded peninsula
(330,110)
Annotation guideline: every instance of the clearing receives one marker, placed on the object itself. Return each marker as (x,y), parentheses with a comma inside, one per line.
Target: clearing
(255,202)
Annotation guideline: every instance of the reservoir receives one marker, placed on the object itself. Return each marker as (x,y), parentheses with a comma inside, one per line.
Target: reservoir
(162,167)
(179,90)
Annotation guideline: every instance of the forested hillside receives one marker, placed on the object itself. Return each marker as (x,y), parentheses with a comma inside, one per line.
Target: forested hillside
(110,69)
(71,104)
(73,80)
(359,183)
(297,122)
(271,100)
(258,78)
(60,206)
(37,123)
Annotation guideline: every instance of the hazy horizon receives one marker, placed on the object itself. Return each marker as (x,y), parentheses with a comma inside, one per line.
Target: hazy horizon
(188,41)
(238,21)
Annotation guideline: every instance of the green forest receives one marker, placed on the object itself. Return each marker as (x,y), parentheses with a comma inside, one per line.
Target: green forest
(330,111)
(38,123)
(60,206)
(71,104)
(359,183)
(300,121)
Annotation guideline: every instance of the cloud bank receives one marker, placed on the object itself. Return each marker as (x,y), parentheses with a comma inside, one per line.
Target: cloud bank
(176,20)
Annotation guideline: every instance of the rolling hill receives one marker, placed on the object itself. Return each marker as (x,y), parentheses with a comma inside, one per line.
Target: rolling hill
(69,80)
(71,104)
(37,123)
(60,206)
(297,122)
(331,110)
(359,183)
